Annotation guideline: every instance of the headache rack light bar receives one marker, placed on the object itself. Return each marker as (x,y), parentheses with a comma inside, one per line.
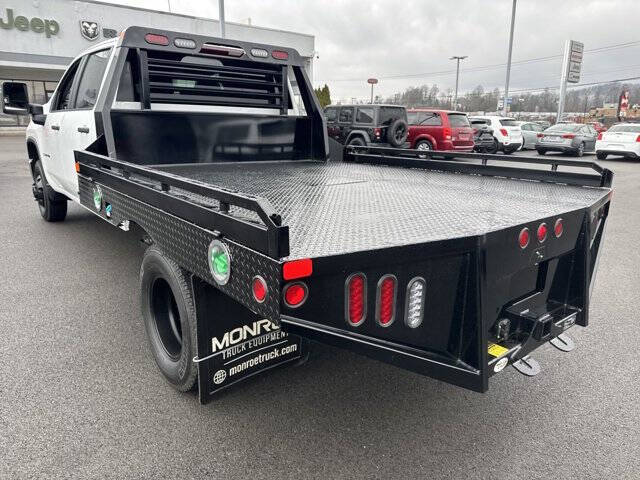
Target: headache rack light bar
(272,238)
(404,157)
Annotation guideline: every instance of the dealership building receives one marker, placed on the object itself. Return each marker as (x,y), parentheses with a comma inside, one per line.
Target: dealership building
(39,38)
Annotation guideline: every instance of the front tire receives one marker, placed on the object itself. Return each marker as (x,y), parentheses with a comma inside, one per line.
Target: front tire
(52,205)
(601,155)
(169,318)
(540,151)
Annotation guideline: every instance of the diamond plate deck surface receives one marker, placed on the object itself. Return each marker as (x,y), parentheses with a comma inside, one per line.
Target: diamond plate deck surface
(340,207)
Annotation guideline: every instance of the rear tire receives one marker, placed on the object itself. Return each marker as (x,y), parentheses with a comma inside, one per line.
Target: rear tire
(540,151)
(169,318)
(580,150)
(424,145)
(494,148)
(601,155)
(357,142)
(52,205)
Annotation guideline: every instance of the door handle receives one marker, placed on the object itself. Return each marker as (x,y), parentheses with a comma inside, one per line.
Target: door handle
(83,129)
(55,127)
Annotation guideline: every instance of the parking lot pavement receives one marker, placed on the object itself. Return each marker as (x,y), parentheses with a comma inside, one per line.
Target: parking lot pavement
(80,396)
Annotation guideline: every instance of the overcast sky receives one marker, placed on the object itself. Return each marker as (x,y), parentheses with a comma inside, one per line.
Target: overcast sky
(357,39)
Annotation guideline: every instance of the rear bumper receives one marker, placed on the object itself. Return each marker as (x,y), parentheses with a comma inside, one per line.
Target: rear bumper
(510,146)
(622,153)
(556,147)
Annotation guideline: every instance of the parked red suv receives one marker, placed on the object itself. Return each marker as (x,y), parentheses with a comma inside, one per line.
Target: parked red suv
(431,129)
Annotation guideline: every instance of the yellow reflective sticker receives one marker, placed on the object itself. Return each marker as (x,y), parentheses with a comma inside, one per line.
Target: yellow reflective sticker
(496,350)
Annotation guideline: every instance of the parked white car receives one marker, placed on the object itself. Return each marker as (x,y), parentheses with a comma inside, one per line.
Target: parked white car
(506,132)
(622,139)
(530,131)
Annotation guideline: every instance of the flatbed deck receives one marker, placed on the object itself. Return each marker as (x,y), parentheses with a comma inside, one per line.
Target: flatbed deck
(338,207)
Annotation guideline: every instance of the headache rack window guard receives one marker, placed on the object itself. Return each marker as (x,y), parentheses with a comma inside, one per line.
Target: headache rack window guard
(272,238)
(404,157)
(199,79)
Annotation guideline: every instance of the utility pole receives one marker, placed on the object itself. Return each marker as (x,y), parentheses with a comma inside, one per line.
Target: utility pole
(221,10)
(457,59)
(506,84)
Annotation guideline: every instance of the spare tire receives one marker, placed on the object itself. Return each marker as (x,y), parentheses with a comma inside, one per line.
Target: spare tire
(397,132)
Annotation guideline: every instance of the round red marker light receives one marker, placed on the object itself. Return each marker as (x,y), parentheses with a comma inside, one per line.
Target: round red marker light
(558,228)
(523,238)
(542,232)
(295,294)
(259,289)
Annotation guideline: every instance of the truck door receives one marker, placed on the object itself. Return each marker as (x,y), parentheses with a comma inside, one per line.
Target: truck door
(51,145)
(78,128)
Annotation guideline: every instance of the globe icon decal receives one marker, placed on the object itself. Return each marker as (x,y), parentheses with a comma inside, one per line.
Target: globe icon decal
(219,377)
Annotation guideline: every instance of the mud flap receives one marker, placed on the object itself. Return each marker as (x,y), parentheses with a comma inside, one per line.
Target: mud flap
(234,343)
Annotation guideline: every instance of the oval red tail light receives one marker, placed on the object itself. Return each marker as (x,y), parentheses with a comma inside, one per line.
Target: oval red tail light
(295,294)
(386,300)
(558,228)
(155,39)
(542,232)
(259,289)
(356,299)
(523,237)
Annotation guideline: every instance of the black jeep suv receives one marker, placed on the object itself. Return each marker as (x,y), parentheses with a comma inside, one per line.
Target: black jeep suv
(367,124)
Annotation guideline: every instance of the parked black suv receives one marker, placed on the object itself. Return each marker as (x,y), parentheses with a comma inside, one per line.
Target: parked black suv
(367,124)
(482,136)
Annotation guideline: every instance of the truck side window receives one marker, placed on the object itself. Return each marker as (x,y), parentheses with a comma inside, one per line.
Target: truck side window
(91,79)
(63,95)
(432,119)
(346,114)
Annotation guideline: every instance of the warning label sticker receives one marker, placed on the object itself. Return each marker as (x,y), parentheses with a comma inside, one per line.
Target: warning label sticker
(496,350)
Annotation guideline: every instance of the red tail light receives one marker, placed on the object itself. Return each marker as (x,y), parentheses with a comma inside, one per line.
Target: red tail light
(638,138)
(558,228)
(504,132)
(600,136)
(447,133)
(154,39)
(542,232)
(523,237)
(297,269)
(540,135)
(259,289)
(386,300)
(377,132)
(356,299)
(568,135)
(295,294)
(280,55)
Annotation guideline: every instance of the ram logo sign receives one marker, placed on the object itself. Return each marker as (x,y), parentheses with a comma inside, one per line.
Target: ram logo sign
(89,30)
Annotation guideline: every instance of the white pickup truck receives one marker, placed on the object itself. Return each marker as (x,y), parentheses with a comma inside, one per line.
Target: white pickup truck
(259,236)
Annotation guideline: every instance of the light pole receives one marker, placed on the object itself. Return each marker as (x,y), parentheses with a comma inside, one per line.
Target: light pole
(506,83)
(457,59)
(221,10)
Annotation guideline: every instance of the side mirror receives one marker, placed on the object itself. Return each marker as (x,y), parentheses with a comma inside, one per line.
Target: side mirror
(15,98)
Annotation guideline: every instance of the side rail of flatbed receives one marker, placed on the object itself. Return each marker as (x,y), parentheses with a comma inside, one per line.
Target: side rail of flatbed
(592,174)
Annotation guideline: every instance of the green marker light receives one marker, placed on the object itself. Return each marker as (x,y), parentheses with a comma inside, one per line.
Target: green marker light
(219,262)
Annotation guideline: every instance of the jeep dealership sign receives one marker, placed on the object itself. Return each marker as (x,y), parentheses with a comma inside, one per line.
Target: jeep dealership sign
(23,24)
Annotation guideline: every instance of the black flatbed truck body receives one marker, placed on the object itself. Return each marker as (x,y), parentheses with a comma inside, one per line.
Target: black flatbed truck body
(453,222)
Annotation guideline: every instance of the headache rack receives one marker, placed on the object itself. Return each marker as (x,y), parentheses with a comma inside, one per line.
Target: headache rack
(185,78)
(442,161)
